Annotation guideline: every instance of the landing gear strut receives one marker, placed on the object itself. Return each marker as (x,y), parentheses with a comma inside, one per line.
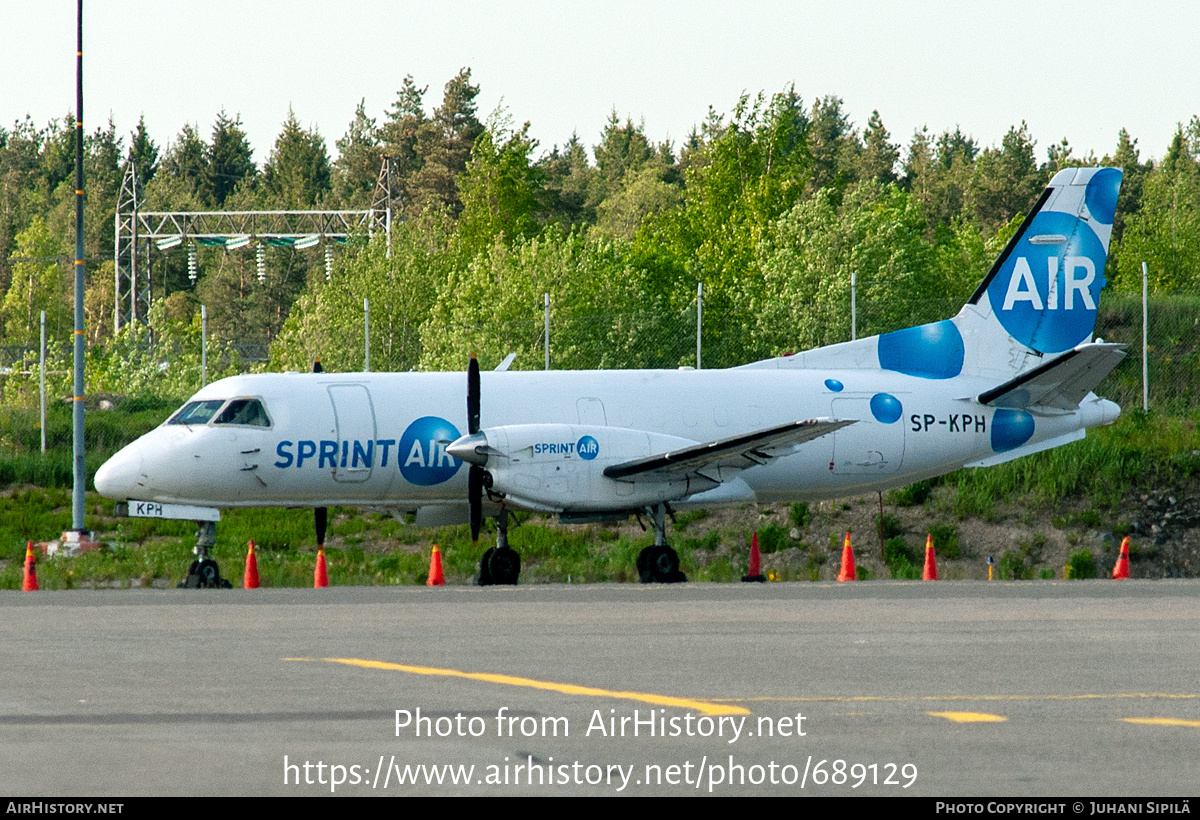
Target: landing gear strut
(203,572)
(659,564)
(500,564)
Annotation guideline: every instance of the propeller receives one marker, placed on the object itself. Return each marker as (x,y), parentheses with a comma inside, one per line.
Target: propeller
(475,476)
(320,514)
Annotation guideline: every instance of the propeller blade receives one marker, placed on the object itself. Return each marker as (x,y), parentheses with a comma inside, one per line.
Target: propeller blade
(475,500)
(473,395)
(320,519)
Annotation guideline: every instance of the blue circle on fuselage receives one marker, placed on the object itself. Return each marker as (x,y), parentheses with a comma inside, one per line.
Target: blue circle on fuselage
(886,408)
(834,385)
(422,455)
(587,447)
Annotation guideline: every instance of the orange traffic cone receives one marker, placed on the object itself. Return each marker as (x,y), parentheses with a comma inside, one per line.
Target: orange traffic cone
(755,573)
(1121,570)
(436,578)
(250,579)
(29,582)
(930,571)
(321,576)
(848,572)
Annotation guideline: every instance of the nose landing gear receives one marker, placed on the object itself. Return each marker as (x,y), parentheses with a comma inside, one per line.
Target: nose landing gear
(203,573)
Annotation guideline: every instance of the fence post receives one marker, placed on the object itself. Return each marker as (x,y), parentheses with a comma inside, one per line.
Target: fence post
(366,336)
(203,345)
(547,330)
(42,379)
(699,319)
(853,305)
(1145,340)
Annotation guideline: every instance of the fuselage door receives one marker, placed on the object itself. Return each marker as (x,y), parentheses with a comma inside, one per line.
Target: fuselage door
(874,445)
(355,417)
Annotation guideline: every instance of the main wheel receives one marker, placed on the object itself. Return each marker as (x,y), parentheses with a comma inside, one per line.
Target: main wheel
(664,562)
(645,573)
(505,565)
(485,569)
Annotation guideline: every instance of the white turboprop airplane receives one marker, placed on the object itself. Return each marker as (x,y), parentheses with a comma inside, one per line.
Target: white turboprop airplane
(1011,374)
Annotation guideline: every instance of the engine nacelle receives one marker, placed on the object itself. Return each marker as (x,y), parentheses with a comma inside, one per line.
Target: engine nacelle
(557,467)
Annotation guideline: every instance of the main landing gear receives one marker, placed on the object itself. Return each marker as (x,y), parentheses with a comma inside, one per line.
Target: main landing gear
(659,564)
(203,572)
(500,564)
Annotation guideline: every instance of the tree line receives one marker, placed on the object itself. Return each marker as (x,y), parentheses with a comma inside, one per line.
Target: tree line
(771,205)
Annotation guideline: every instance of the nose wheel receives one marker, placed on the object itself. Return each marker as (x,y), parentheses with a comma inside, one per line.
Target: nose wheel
(203,573)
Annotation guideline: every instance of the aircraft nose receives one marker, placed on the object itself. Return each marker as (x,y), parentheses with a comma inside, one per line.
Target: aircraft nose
(118,477)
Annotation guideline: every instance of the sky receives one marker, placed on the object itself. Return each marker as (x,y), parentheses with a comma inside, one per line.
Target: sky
(1079,70)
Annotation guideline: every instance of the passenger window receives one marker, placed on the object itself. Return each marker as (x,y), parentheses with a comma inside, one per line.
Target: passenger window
(248,412)
(197,412)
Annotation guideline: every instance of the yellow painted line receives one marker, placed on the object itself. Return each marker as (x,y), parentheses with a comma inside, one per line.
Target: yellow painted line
(969,717)
(705,707)
(1195,724)
(935,698)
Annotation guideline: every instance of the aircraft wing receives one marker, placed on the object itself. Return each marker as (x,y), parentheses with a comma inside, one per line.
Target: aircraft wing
(1059,384)
(715,460)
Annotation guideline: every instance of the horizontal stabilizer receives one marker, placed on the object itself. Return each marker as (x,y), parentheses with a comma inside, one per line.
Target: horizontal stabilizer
(1059,384)
(714,460)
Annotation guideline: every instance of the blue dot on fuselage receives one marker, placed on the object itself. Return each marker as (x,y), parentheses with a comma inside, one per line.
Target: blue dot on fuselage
(932,351)
(834,385)
(886,408)
(1010,429)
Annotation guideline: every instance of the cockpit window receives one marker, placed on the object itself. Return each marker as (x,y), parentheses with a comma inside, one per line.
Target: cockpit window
(197,412)
(244,411)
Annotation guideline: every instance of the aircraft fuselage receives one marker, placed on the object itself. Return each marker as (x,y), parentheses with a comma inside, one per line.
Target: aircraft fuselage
(379,439)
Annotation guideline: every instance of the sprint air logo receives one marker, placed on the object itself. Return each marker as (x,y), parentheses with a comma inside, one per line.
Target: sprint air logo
(420,454)
(1045,294)
(586,448)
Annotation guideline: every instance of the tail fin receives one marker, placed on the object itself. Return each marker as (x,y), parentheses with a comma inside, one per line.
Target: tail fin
(1041,295)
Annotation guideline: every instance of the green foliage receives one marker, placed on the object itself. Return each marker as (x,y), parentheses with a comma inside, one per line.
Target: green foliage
(897,549)
(683,519)
(807,257)
(888,526)
(799,514)
(35,285)
(1012,567)
(709,543)
(1136,451)
(913,495)
(164,363)
(298,174)
(327,321)
(1165,231)
(773,538)
(499,191)
(945,541)
(1081,564)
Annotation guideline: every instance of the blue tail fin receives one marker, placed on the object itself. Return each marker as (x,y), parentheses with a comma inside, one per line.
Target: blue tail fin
(1041,295)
